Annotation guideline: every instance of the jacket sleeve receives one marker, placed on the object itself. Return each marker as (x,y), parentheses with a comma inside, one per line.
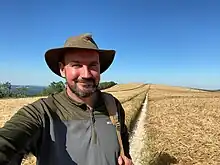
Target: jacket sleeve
(19,134)
(124,129)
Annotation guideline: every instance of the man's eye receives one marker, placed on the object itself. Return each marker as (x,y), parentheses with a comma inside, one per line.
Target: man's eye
(94,64)
(76,65)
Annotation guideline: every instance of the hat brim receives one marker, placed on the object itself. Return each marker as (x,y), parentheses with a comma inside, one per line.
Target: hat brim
(53,56)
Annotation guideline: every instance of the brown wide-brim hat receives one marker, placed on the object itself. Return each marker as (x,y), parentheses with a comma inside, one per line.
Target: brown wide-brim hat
(84,41)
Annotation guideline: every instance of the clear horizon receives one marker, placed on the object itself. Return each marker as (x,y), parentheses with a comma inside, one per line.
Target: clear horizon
(173,43)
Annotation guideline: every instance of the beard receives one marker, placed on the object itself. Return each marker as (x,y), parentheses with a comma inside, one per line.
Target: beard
(88,87)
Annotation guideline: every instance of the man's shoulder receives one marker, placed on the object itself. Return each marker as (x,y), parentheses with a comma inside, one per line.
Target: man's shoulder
(35,105)
(109,95)
(48,98)
(40,102)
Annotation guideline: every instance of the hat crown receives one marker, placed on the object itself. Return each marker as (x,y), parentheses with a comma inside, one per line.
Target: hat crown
(82,41)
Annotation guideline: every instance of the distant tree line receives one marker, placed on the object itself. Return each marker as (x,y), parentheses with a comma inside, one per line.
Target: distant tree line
(55,87)
(6,91)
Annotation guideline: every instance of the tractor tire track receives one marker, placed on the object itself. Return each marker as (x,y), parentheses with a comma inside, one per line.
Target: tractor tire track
(137,135)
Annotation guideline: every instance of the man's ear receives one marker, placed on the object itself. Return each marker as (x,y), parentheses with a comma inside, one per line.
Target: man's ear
(62,70)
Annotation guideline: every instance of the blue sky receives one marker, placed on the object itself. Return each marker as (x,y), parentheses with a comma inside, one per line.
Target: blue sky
(165,42)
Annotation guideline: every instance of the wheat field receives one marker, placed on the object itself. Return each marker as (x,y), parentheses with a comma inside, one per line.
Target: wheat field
(124,87)
(181,126)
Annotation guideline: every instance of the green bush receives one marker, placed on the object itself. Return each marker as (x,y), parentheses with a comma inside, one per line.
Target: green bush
(6,91)
(105,85)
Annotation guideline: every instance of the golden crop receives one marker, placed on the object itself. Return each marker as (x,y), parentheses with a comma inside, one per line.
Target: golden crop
(182,125)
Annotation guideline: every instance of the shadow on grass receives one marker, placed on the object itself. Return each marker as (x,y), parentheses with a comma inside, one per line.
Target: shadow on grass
(163,158)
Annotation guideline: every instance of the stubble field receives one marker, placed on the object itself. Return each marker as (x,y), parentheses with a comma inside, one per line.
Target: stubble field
(181,125)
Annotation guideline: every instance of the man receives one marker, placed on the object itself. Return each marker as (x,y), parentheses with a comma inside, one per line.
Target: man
(71,127)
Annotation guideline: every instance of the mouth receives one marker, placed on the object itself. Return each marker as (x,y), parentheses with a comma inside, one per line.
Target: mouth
(86,84)
(85,81)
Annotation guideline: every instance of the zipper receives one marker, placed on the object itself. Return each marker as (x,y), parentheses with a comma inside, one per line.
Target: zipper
(92,119)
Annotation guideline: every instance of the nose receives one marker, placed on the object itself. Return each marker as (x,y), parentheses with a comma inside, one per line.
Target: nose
(86,73)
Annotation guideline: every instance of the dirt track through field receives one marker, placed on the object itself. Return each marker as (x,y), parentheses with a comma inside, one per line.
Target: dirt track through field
(136,139)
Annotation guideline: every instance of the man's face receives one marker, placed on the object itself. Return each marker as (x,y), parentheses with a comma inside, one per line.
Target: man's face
(81,69)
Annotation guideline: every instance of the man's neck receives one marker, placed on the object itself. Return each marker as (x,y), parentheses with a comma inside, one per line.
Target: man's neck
(90,101)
